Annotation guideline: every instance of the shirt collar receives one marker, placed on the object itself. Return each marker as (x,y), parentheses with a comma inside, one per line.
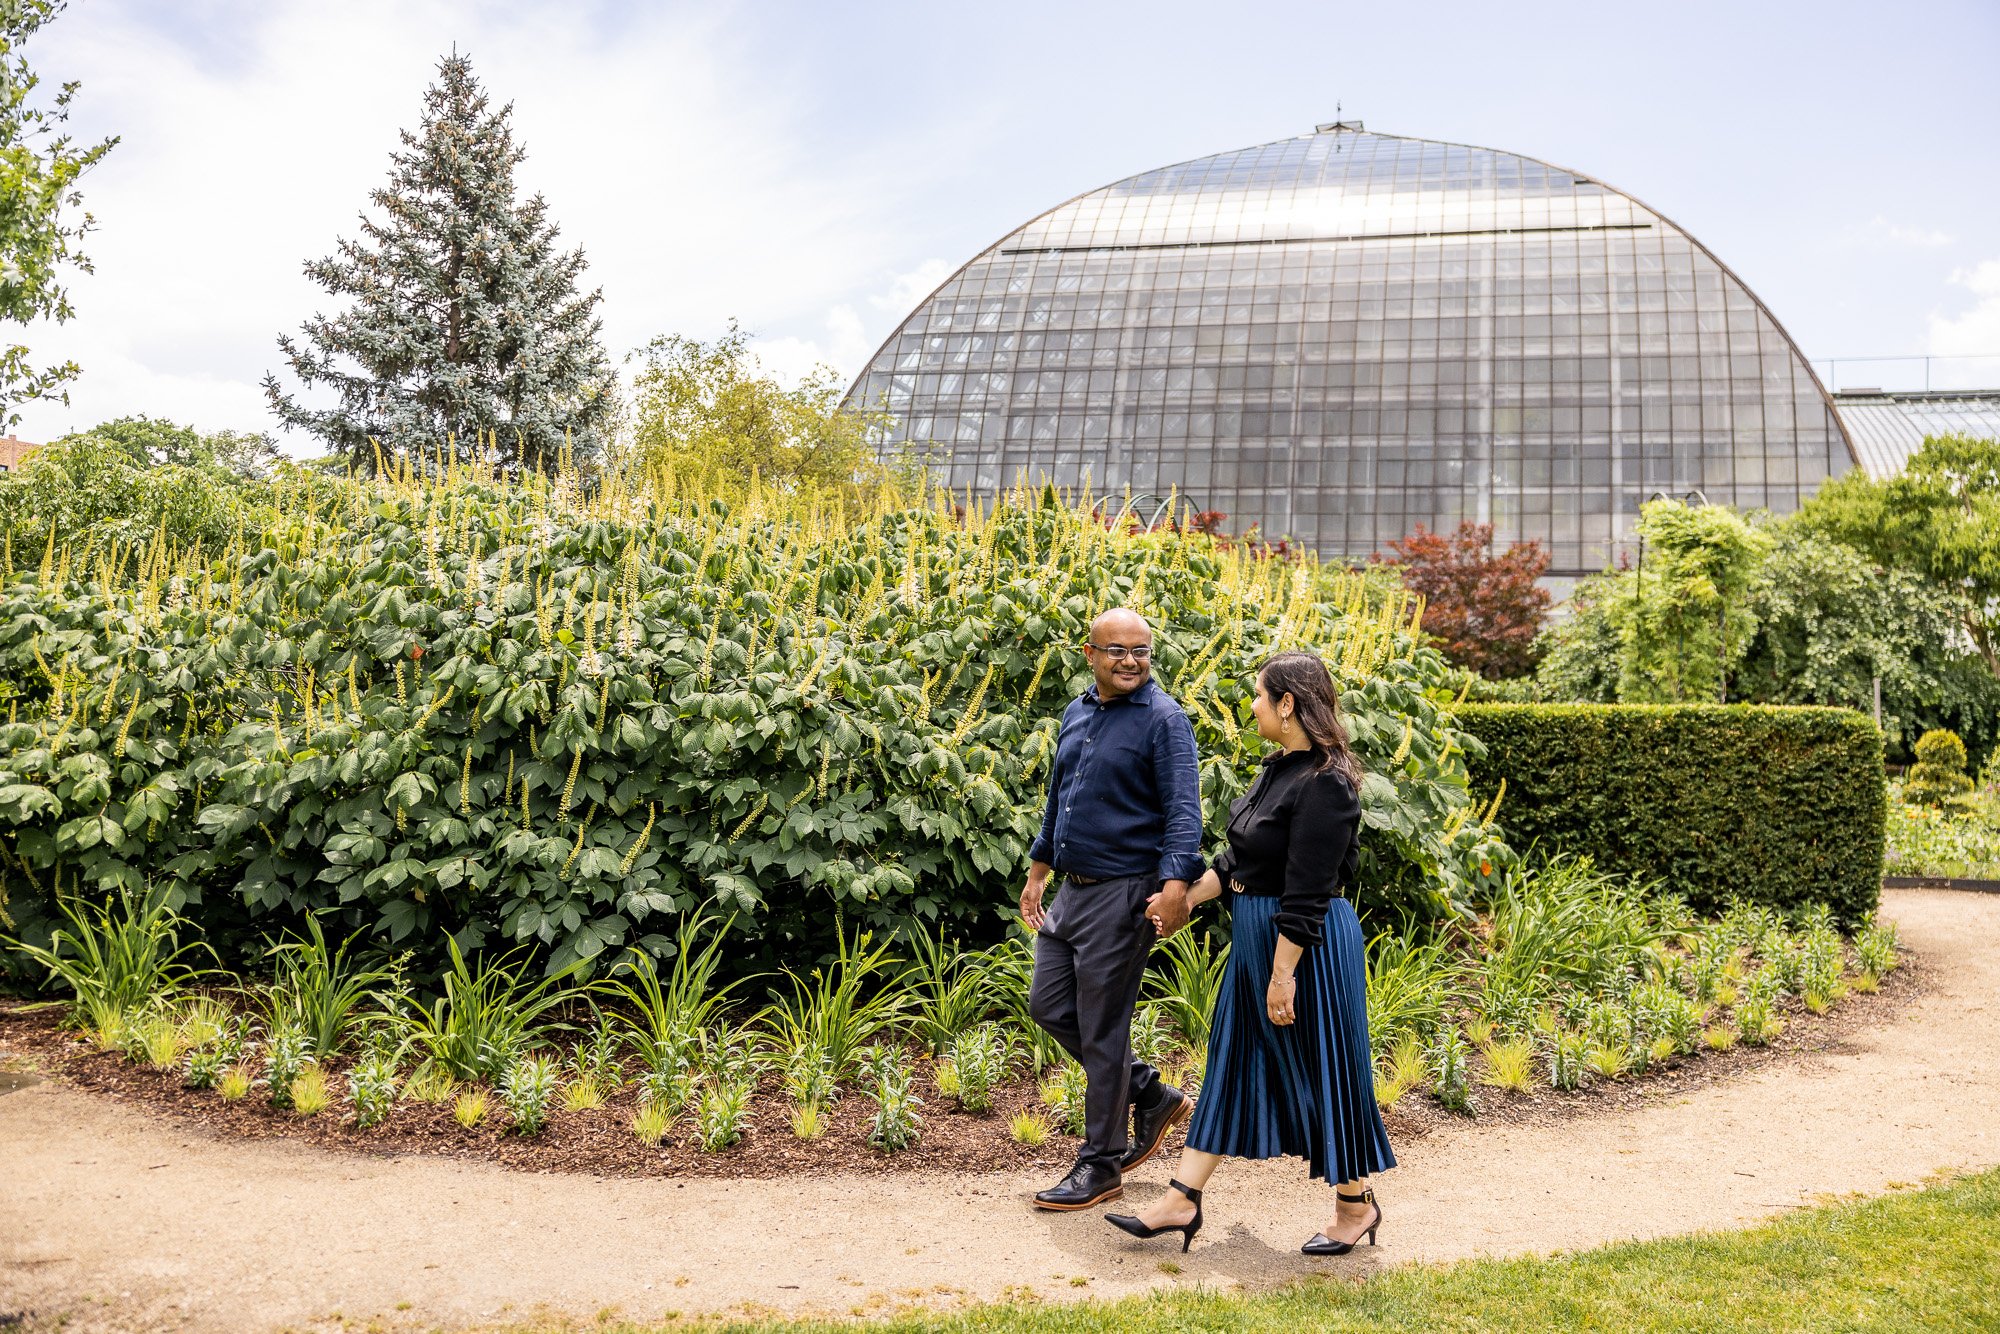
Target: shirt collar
(1143,696)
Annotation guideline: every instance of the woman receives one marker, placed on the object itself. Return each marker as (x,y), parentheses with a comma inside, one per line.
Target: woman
(1289,1068)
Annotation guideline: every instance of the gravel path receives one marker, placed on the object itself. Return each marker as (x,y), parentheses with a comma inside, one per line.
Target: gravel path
(119,1222)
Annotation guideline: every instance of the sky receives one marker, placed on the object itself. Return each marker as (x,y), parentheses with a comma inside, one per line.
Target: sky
(814,170)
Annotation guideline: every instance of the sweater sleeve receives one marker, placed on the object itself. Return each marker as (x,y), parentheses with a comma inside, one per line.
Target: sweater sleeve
(1324,821)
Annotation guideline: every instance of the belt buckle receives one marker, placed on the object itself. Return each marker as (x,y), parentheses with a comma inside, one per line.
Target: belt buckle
(1237,886)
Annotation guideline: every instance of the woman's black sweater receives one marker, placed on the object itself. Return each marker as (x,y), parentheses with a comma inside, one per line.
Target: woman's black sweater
(1292,836)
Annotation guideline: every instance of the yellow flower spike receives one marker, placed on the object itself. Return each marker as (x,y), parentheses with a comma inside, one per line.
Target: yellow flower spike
(825,763)
(118,748)
(581,829)
(763,800)
(638,847)
(1403,750)
(465,784)
(1494,809)
(569,783)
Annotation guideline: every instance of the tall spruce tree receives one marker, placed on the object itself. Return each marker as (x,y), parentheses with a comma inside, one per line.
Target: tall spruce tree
(465,318)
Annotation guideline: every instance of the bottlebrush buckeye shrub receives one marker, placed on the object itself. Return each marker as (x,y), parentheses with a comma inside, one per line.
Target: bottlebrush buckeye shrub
(434,701)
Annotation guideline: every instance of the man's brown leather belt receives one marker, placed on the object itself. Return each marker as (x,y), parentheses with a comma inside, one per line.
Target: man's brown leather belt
(1083,879)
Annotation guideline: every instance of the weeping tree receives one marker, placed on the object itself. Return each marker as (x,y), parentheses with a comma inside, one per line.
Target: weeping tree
(465,320)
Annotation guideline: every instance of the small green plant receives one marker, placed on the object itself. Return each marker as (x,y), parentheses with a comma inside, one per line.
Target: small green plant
(1187,987)
(1510,1065)
(1479,1030)
(1606,1062)
(724,1106)
(287,1052)
(489,1013)
(895,1125)
(1938,778)
(234,1083)
(650,1123)
(1407,1070)
(1566,1053)
(1678,1022)
(1028,1127)
(1875,947)
(1757,1021)
(667,1015)
(952,990)
(980,1057)
(469,1107)
(1718,1037)
(808,1077)
(116,959)
(308,1095)
(841,1009)
(1151,1042)
(431,1084)
(1451,1083)
(371,1087)
(207,1060)
(156,1038)
(594,1059)
(582,1094)
(1661,1050)
(528,1088)
(1063,1094)
(318,990)
(808,1120)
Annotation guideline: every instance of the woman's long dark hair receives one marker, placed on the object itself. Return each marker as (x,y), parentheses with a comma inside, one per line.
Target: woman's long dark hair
(1315,707)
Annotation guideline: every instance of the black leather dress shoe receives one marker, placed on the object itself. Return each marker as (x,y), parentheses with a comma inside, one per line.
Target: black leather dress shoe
(1149,1128)
(1088,1183)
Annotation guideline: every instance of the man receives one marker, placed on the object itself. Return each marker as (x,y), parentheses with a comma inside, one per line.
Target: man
(1122,834)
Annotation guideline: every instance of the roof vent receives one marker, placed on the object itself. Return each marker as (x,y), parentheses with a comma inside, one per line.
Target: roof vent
(1333,126)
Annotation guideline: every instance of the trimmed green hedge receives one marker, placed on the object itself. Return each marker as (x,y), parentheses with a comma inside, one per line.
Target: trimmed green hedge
(1780,806)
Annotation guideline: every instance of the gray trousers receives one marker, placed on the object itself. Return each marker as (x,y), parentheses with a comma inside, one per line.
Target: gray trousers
(1090,957)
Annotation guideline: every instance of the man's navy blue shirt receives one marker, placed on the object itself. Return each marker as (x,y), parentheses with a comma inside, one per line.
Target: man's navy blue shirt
(1125,794)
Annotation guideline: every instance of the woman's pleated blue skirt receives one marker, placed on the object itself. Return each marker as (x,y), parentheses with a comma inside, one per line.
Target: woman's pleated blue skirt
(1304,1090)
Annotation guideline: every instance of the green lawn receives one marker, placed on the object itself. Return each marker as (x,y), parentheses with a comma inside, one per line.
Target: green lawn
(1915,1260)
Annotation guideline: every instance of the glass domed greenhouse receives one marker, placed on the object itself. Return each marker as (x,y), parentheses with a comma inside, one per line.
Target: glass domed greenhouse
(1342,335)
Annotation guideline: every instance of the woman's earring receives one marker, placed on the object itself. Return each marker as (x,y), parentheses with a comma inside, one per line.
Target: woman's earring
(1284,724)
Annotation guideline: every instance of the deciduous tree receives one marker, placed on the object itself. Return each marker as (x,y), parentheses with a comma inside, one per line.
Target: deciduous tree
(1483,609)
(40,226)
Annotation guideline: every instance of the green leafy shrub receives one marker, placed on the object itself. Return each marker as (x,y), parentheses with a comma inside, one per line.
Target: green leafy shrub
(981,1057)
(430,705)
(1938,778)
(1451,1081)
(1785,806)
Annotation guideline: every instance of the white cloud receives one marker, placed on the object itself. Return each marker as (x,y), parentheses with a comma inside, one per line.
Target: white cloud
(848,340)
(695,200)
(1969,341)
(1879,233)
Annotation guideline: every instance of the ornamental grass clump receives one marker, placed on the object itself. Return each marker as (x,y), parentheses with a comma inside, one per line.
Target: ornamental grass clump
(649,1124)
(469,1108)
(1510,1064)
(308,1094)
(234,1083)
(1029,1127)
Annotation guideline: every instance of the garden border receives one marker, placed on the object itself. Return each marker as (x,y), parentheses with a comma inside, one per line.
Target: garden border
(1940,882)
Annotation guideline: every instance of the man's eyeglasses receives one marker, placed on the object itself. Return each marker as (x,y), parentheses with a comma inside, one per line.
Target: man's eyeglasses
(1118,652)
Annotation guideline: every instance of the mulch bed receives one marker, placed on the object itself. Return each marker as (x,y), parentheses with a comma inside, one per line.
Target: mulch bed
(600,1141)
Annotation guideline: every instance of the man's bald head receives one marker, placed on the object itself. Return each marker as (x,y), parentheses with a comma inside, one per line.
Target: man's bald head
(1114,636)
(1120,625)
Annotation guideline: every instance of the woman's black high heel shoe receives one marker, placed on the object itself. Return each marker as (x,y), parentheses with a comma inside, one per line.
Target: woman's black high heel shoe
(1321,1244)
(1129,1223)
